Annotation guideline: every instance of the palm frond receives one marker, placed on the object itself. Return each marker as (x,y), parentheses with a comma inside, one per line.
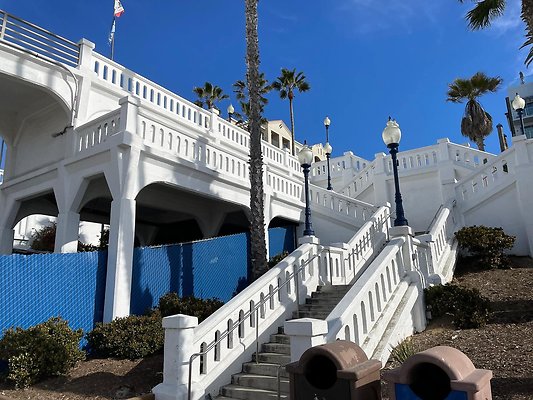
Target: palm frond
(484,13)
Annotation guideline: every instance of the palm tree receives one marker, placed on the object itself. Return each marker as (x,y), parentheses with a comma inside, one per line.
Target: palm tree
(286,84)
(258,253)
(476,123)
(485,11)
(208,95)
(241,91)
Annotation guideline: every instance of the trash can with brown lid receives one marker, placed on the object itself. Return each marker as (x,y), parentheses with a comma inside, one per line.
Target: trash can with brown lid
(338,370)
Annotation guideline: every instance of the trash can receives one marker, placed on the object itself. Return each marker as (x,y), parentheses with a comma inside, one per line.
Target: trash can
(440,373)
(335,371)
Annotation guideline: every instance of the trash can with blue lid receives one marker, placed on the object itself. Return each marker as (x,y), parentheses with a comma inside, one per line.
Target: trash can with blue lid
(440,373)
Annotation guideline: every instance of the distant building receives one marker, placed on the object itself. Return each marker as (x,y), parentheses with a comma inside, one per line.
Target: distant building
(525,90)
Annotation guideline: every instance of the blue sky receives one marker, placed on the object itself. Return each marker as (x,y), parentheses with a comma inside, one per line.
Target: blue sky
(364,59)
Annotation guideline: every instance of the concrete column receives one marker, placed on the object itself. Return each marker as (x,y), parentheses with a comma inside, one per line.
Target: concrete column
(86,54)
(6,241)
(381,193)
(214,121)
(120,259)
(179,341)
(524,171)
(68,226)
(305,333)
(129,111)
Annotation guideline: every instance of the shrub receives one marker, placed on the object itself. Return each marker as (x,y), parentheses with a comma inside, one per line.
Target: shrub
(47,349)
(171,304)
(403,351)
(487,244)
(130,337)
(276,259)
(468,307)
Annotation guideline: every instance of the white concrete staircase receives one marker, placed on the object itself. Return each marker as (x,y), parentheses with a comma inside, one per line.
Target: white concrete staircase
(258,381)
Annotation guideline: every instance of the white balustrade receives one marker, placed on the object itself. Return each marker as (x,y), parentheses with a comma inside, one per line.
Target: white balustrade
(97,131)
(360,310)
(360,182)
(484,179)
(468,157)
(147,90)
(327,200)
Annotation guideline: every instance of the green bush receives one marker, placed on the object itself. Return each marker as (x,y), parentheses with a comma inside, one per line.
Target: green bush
(130,337)
(171,304)
(403,351)
(487,244)
(468,307)
(277,259)
(47,349)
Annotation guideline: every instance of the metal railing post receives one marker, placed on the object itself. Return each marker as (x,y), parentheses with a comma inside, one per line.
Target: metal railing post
(4,24)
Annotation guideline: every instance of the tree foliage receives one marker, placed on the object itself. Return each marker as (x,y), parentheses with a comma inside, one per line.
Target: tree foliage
(286,84)
(209,95)
(486,11)
(241,91)
(476,123)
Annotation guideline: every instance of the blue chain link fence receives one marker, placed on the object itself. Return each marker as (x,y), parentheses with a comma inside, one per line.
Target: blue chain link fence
(37,287)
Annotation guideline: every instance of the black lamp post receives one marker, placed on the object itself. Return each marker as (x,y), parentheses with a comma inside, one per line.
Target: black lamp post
(305,157)
(391,136)
(518,105)
(230,110)
(328,149)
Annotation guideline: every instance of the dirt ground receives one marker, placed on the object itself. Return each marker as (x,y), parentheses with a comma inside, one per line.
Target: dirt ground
(505,346)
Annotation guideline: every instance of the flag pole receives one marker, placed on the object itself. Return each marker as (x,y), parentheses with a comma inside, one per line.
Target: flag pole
(113,39)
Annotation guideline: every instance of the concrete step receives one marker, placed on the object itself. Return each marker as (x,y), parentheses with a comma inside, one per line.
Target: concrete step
(279,348)
(311,314)
(269,369)
(273,358)
(248,393)
(336,288)
(280,338)
(265,382)
(316,295)
(317,307)
(322,301)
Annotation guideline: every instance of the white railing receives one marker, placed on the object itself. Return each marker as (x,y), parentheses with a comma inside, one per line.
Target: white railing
(486,178)
(339,166)
(345,261)
(360,182)
(467,156)
(138,86)
(360,310)
(97,131)
(414,159)
(323,200)
(37,40)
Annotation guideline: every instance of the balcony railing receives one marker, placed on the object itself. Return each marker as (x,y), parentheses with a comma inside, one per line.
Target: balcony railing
(32,38)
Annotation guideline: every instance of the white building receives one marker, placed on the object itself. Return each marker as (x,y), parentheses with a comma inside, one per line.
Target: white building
(525,90)
(96,142)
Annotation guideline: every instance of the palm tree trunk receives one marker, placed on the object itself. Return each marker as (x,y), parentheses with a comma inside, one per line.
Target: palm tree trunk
(258,253)
(480,144)
(292,123)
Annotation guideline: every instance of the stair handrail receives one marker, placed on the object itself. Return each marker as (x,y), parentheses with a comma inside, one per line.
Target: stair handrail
(249,313)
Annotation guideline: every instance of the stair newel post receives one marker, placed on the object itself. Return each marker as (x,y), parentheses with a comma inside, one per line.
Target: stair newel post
(178,349)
